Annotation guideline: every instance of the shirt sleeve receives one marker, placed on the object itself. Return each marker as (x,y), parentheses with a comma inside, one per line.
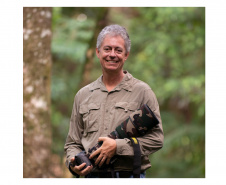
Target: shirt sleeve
(153,140)
(73,141)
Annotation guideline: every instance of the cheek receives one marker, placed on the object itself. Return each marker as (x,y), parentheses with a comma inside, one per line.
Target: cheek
(102,55)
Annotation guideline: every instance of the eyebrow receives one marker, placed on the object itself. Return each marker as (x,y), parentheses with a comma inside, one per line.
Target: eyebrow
(113,47)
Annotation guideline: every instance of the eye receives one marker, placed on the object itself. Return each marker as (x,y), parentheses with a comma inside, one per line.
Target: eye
(106,49)
(119,51)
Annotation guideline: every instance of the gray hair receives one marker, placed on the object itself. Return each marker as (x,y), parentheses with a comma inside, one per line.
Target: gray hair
(114,30)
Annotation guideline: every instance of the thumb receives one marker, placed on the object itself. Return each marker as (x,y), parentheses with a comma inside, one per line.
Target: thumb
(72,159)
(101,139)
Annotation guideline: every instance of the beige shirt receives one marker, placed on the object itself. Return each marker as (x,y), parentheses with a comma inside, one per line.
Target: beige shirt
(97,112)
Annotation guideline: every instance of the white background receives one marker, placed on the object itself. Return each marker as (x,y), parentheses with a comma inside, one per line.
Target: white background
(11,88)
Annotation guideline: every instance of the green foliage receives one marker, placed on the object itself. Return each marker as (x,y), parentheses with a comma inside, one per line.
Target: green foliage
(171,46)
(71,36)
(168,53)
(182,155)
(69,45)
(72,31)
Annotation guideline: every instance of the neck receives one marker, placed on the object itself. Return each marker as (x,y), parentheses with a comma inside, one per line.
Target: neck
(111,80)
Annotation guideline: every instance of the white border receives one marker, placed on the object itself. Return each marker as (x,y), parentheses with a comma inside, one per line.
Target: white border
(11,132)
(115,3)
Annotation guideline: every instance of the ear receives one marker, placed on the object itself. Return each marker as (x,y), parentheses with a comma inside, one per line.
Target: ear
(126,55)
(97,52)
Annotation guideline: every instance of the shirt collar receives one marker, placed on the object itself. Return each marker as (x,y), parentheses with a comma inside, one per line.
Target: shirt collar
(126,83)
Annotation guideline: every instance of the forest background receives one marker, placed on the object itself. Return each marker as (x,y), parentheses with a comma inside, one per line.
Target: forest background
(168,53)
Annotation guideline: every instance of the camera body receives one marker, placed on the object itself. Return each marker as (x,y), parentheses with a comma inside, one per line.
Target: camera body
(81,158)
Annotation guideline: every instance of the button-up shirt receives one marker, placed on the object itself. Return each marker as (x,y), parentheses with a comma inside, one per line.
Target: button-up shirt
(97,112)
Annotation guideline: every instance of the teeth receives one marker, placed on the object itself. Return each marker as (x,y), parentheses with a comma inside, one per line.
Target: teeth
(111,61)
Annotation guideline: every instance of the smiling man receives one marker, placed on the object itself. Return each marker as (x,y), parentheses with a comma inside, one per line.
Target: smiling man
(112,54)
(102,105)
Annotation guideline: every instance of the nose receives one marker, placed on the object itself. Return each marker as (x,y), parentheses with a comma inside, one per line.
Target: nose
(112,53)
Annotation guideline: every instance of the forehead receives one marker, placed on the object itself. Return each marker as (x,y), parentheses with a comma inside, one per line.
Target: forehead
(113,41)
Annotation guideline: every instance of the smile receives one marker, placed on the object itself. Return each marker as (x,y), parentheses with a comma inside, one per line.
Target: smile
(111,61)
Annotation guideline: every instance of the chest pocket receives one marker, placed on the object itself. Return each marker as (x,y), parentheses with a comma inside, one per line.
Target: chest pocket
(127,106)
(90,115)
(123,110)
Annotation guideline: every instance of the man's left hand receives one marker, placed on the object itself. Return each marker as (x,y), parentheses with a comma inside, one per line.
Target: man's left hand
(106,151)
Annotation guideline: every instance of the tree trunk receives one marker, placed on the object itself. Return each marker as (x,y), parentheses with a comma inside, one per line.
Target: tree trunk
(36,91)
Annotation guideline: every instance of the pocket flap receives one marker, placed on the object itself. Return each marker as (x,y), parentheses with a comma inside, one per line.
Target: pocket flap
(127,105)
(121,105)
(87,107)
(94,106)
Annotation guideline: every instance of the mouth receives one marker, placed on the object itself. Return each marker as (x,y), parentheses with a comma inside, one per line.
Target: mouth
(112,61)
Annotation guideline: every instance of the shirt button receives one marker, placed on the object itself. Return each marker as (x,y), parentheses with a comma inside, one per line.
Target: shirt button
(106,110)
(106,128)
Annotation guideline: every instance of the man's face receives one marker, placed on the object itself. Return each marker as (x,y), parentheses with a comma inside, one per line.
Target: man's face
(112,53)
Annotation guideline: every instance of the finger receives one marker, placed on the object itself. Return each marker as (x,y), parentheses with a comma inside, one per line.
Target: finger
(72,162)
(98,159)
(79,168)
(108,160)
(102,161)
(101,139)
(95,153)
(87,170)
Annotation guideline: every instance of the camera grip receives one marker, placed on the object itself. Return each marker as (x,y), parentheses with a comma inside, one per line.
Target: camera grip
(81,158)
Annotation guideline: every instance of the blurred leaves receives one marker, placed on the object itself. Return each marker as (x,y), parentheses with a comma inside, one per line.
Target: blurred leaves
(167,52)
(71,36)
(183,153)
(72,31)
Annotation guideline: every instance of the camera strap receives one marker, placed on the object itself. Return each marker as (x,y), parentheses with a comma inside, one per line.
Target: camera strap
(137,158)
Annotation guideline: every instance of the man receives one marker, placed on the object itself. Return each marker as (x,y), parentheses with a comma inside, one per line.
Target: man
(102,105)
